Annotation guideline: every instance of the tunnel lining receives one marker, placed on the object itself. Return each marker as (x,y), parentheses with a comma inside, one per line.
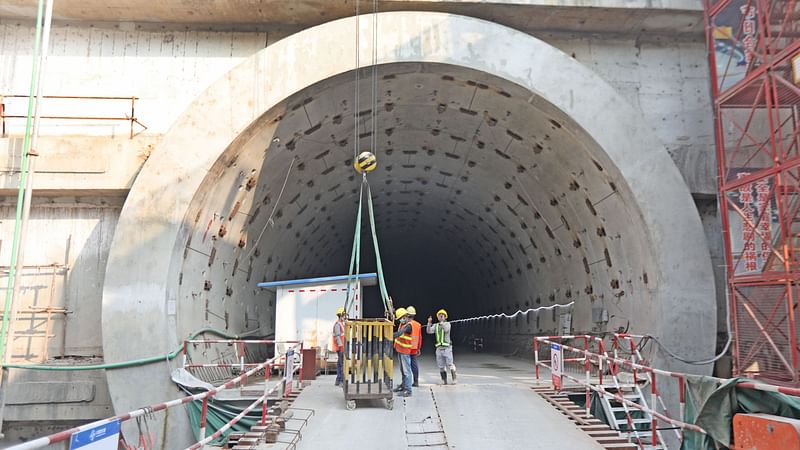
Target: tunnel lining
(138,279)
(498,233)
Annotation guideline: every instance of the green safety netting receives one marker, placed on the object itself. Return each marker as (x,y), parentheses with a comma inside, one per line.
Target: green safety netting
(219,413)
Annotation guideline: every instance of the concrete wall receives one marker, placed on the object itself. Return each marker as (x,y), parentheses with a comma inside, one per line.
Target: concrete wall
(168,66)
(614,16)
(665,78)
(65,263)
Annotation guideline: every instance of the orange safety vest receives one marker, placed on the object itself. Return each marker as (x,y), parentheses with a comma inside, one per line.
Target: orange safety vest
(407,344)
(416,329)
(335,345)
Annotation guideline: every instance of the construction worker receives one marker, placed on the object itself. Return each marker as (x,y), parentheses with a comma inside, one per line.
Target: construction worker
(404,344)
(444,345)
(338,344)
(416,329)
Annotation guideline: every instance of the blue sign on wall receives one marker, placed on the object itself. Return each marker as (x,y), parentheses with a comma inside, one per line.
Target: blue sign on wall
(101,437)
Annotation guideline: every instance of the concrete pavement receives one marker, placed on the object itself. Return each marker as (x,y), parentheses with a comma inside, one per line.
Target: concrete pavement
(491,407)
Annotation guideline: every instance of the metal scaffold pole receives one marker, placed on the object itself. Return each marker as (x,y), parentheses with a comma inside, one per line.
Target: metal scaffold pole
(754,52)
(27,168)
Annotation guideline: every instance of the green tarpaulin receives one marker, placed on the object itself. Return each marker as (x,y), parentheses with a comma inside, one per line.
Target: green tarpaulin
(711,404)
(220,413)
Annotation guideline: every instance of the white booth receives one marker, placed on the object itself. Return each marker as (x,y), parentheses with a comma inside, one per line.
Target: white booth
(305,310)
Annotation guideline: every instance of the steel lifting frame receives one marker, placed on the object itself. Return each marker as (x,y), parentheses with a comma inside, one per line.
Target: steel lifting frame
(756,101)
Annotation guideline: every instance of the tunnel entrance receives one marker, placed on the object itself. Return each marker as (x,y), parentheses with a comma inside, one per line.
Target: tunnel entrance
(485,202)
(509,177)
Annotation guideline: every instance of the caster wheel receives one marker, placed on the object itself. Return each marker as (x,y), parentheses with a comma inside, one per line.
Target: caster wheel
(390,404)
(351,405)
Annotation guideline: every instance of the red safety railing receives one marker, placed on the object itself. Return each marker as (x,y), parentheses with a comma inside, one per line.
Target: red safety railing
(599,359)
(266,366)
(611,367)
(240,353)
(5,115)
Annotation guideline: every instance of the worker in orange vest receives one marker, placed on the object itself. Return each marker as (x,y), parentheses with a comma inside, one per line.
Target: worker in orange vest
(404,344)
(338,344)
(416,329)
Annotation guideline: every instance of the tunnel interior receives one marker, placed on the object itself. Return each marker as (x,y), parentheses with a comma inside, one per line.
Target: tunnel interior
(487,199)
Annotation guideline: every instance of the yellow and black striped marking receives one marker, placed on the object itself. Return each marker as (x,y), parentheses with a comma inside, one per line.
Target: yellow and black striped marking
(366,162)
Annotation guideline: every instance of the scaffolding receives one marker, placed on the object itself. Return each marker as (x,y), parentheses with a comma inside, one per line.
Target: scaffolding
(754,55)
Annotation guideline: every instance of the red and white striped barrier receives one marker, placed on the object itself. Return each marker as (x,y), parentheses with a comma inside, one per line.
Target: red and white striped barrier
(65,435)
(615,364)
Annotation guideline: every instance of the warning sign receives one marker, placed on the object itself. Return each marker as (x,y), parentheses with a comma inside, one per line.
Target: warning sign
(557,365)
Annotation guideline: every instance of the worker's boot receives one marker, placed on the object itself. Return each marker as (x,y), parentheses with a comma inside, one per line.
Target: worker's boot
(453,373)
(443,373)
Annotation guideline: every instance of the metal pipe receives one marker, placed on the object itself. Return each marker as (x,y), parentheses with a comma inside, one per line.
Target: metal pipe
(20,196)
(26,204)
(75,97)
(24,199)
(203,416)
(363,276)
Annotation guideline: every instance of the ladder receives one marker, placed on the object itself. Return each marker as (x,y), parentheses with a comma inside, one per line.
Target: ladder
(631,423)
(628,421)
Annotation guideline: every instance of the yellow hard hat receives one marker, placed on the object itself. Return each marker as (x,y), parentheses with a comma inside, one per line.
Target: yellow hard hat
(340,311)
(399,313)
(411,311)
(441,311)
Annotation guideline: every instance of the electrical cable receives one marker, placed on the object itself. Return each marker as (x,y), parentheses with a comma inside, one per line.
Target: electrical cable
(519,311)
(727,329)
(356,145)
(355,256)
(275,207)
(374,136)
(693,362)
(697,362)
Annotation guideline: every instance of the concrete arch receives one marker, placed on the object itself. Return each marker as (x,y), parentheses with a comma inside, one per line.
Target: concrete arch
(140,302)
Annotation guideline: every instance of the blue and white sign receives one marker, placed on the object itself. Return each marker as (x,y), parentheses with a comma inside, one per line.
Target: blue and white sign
(101,437)
(556,365)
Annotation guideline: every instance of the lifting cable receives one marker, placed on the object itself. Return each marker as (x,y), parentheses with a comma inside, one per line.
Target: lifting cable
(363,163)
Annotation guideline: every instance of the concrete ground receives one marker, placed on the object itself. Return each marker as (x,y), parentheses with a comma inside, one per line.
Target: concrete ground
(491,407)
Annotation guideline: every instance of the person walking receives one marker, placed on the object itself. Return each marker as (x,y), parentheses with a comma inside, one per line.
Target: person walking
(404,344)
(416,330)
(338,344)
(444,345)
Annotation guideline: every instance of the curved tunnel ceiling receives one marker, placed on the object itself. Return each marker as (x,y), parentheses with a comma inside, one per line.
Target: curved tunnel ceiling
(490,195)
(485,200)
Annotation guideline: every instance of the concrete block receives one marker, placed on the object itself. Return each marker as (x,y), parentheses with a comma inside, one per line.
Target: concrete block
(50,392)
